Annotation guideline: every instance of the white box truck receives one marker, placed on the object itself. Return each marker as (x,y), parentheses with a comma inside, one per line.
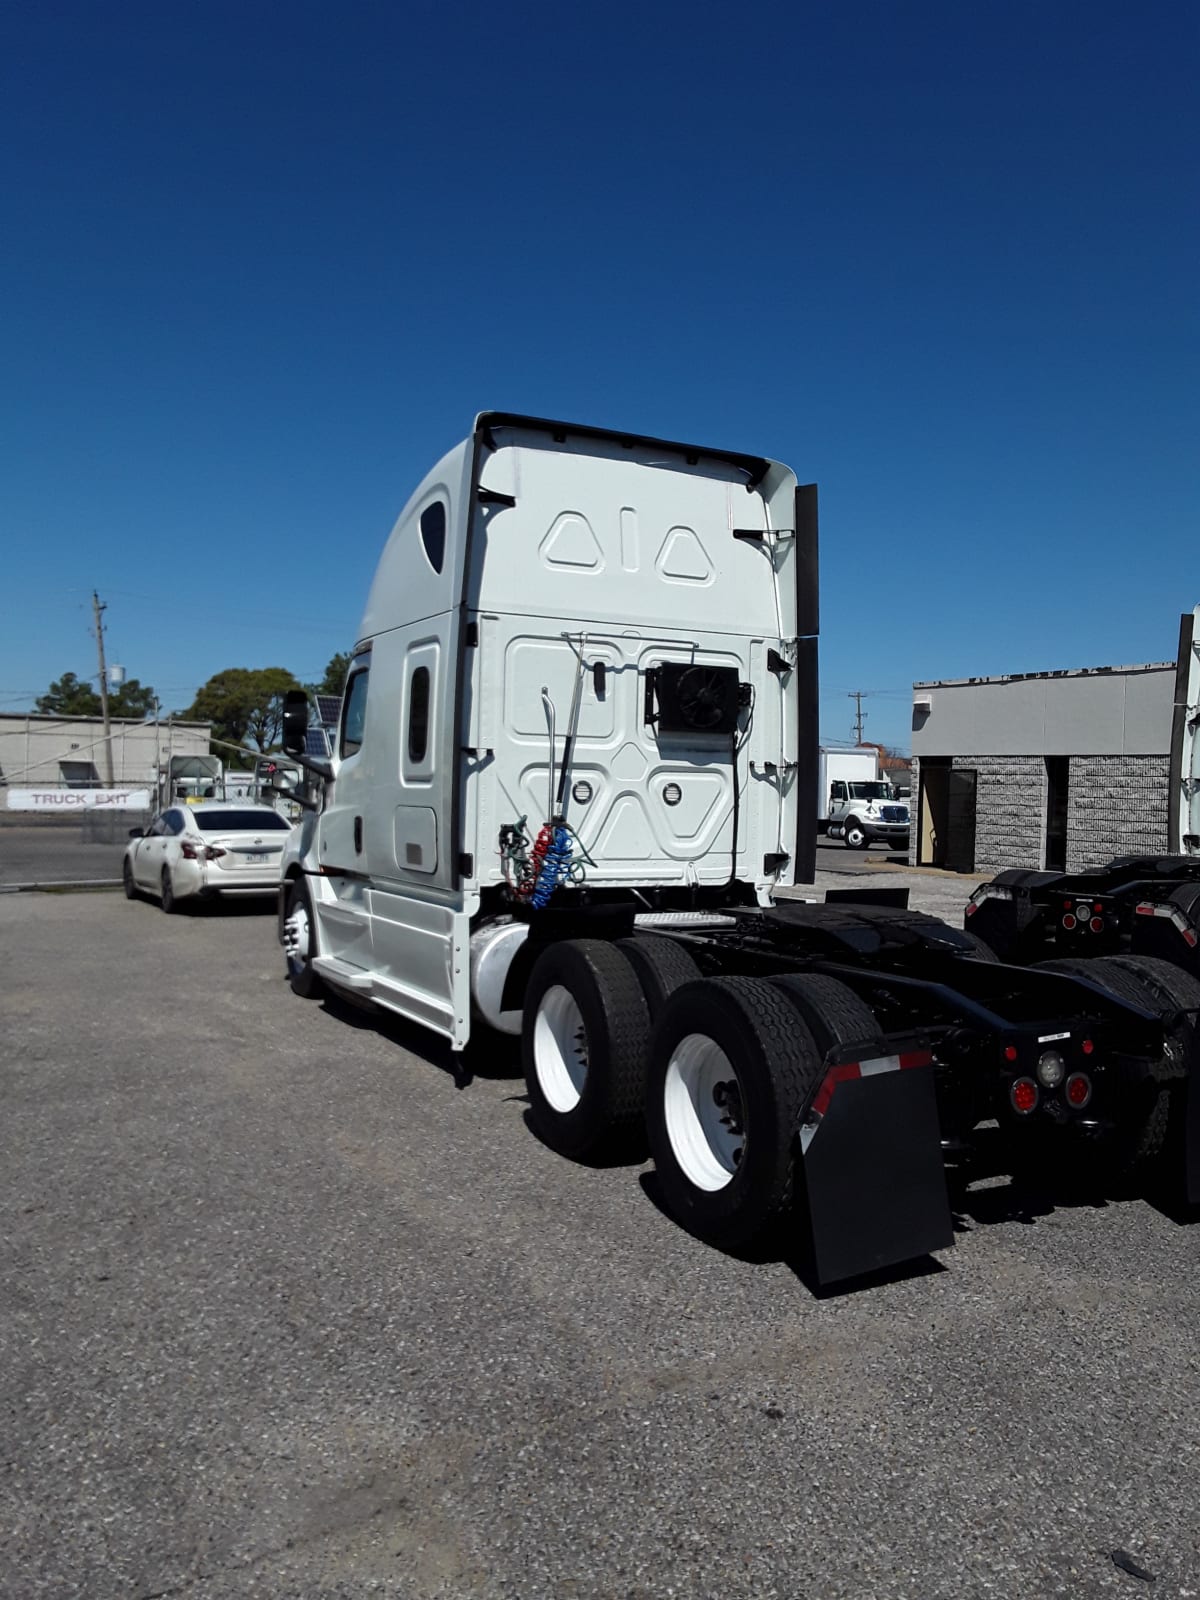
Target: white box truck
(576,759)
(856,803)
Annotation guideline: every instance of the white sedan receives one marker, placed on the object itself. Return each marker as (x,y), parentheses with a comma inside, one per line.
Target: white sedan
(206,850)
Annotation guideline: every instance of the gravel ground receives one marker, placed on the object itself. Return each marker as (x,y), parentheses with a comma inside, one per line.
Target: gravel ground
(289,1308)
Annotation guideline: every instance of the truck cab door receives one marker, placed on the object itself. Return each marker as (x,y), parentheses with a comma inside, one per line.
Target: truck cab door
(344,922)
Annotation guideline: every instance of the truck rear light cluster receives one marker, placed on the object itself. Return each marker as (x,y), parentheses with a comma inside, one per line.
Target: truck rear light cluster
(1078,1090)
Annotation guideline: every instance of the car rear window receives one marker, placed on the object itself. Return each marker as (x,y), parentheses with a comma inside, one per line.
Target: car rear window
(240,821)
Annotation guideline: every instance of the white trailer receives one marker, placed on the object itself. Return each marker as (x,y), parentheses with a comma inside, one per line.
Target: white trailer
(576,758)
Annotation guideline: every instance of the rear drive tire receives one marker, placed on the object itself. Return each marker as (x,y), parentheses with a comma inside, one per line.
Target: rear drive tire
(981,950)
(300,942)
(732,1066)
(831,1011)
(584,1034)
(661,965)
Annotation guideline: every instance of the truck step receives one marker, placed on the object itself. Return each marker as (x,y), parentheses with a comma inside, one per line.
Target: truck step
(343,973)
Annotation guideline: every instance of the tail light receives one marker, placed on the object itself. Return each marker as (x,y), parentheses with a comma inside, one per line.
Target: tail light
(1068,921)
(191,851)
(1079,1090)
(1096,925)
(1024,1096)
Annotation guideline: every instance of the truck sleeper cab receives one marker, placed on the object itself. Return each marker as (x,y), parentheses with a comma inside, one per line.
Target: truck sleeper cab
(576,758)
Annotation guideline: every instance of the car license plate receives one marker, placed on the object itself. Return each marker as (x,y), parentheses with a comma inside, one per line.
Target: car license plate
(253,857)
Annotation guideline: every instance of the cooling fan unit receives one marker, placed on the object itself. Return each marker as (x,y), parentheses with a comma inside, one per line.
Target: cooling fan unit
(687,698)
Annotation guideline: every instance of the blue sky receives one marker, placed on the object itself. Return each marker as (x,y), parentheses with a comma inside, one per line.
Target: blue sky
(260,264)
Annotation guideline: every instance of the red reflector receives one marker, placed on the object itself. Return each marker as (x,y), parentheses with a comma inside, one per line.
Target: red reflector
(1144,911)
(1079,1090)
(972,908)
(1024,1095)
(1087,1047)
(1068,922)
(1097,924)
(1189,938)
(835,1075)
(1010,1052)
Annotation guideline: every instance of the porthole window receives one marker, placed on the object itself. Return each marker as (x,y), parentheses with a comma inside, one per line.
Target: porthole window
(433,534)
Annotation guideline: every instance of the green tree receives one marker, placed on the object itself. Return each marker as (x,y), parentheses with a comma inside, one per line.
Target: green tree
(68,696)
(132,699)
(334,680)
(244,705)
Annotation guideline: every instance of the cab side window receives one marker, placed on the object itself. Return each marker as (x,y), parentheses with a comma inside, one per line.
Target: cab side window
(838,791)
(354,716)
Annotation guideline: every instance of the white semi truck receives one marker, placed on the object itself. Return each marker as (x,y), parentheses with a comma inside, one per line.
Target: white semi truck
(856,803)
(576,761)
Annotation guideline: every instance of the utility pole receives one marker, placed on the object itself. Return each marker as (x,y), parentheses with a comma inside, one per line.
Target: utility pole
(98,608)
(860,716)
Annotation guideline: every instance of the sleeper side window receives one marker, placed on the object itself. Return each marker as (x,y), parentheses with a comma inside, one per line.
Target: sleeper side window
(418,716)
(354,714)
(433,534)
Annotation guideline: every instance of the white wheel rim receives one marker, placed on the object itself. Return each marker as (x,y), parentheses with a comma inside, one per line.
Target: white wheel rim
(702,1114)
(296,930)
(560,1049)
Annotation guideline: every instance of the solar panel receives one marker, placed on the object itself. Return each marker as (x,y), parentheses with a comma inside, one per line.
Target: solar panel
(316,744)
(329,709)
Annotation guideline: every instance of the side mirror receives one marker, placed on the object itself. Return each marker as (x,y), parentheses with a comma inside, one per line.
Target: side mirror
(295,721)
(137,833)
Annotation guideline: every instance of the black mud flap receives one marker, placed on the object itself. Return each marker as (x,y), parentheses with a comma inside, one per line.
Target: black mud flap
(1191,1134)
(873,1171)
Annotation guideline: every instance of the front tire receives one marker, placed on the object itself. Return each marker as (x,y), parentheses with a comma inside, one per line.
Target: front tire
(131,890)
(855,835)
(300,942)
(584,1035)
(731,1067)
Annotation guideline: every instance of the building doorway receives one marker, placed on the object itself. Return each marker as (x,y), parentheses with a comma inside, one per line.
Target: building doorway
(1058,777)
(946,817)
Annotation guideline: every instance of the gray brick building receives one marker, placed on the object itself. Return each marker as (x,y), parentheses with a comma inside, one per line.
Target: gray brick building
(1048,769)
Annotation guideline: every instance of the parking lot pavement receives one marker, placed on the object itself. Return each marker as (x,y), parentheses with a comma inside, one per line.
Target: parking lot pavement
(41,854)
(289,1308)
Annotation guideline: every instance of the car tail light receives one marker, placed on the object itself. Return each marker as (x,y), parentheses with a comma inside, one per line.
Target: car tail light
(1024,1096)
(1068,922)
(212,851)
(1010,1052)
(1087,1046)
(189,851)
(1097,924)
(1079,1090)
